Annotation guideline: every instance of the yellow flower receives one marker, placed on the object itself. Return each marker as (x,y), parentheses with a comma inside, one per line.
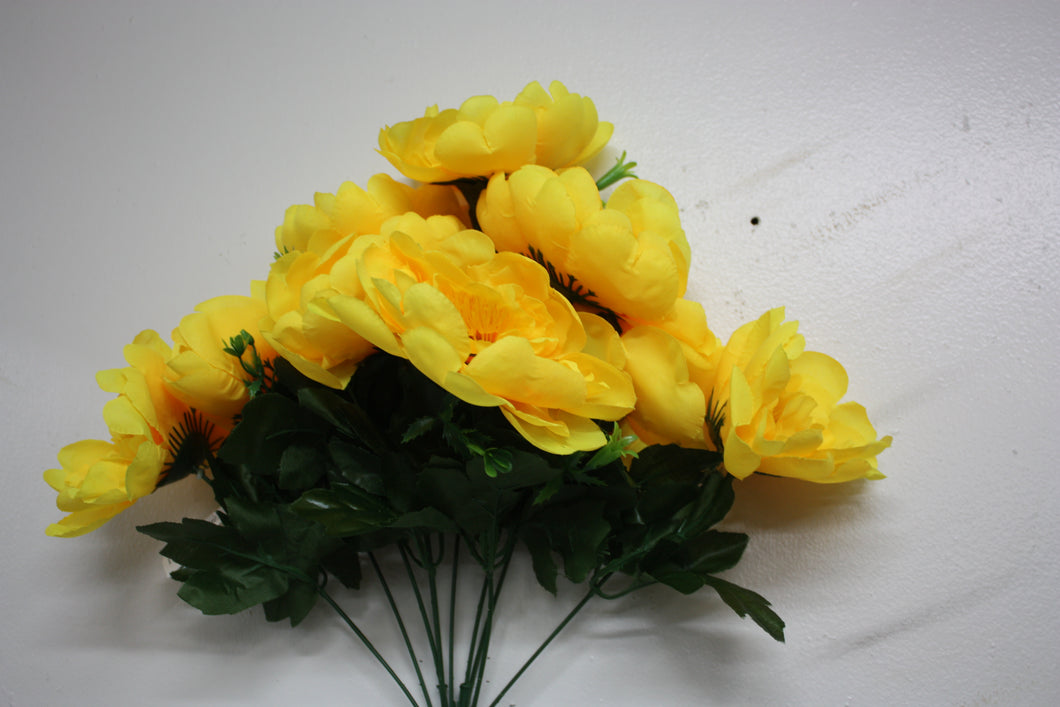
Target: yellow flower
(782,411)
(493,333)
(485,136)
(200,373)
(355,211)
(671,362)
(780,404)
(299,324)
(96,479)
(630,256)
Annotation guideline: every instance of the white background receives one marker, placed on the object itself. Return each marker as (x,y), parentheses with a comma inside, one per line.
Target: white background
(903,160)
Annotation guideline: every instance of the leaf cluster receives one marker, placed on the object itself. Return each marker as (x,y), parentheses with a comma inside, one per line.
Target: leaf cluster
(311,479)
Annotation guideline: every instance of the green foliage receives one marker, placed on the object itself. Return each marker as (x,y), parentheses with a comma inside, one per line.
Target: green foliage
(311,479)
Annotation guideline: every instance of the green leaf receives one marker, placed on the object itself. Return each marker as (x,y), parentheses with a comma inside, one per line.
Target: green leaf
(536,540)
(684,581)
(673,463)
(269,424)
(497,461)
(343,414)
(192,543)
(747,603)
(344,563)
(425,518)
(295,604)
(232,587)
(301,466)
(344,511)
(418,428)
(713,551)
(617,446)
(713,503)
(445,482)
(585,530)
(358,466)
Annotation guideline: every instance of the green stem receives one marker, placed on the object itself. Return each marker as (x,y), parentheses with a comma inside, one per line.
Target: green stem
(368,644)
(401,627)
(432,585)
(452,614)
(620,171)
(465,687)
(494,596)
(435,649)
(570,615)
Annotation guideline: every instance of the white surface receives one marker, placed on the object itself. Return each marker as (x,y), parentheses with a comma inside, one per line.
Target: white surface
(905,165)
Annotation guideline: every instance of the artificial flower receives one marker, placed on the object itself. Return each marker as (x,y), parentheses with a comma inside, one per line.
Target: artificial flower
(629,256)
(493,334)
(200,372)
(97,479)
(485,136)
(356,211)
(671,362)
(778,404)
(782,411)
(299,324)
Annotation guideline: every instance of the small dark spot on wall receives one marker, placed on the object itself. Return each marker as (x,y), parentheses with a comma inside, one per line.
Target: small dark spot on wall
(754,220)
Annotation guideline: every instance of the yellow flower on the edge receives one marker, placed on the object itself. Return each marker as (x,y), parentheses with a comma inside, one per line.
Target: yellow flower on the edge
(96,479)
(631,254)
(780,404)
(355,211)
(485,136)
(782,411)
(493,334)
(200,372)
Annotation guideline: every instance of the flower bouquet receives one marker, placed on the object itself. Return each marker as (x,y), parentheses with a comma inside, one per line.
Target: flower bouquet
(497,360)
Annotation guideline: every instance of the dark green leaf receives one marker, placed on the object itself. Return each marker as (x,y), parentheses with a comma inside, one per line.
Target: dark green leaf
(673,463)
(269,425)
(301,466)
(232,587)
(357,466)
(713,503)
(545,569)
(418,428)
(343,414)
(446,483)
(294,605)
(747,603)
(425,518)
(344,563)
(586,531)
(713,551)
(193,543)
(344,511)
(684,581)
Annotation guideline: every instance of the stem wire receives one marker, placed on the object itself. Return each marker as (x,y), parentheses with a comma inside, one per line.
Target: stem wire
(368,644)
(401,627)
(435,649)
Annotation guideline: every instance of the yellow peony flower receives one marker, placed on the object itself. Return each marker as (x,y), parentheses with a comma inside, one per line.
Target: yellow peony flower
(780,404)
(96,479)
(200,373)
(630,256)
(299,324)
(782,410)
(485,136)
(355,211)
(492,333)
(671,362)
